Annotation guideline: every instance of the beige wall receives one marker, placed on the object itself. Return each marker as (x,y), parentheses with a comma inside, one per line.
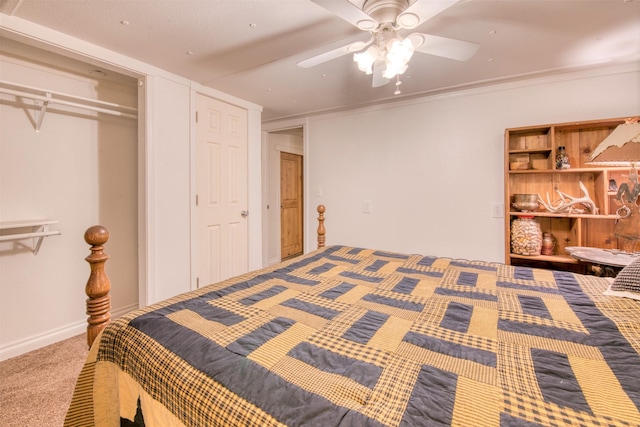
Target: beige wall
(432,167)
(79,169)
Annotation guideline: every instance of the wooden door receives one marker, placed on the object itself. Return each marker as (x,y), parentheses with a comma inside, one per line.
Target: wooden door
(222,191)
(290,205)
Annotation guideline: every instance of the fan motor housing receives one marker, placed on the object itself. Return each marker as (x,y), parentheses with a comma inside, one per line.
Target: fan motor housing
(385,11)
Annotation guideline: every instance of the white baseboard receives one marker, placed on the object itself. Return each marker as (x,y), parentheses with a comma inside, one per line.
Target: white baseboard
(53,336)
(274,261)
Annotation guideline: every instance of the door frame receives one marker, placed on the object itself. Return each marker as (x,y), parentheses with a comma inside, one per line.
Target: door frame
(272,178)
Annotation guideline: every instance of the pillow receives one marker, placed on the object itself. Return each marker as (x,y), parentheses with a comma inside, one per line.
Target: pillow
(627,283)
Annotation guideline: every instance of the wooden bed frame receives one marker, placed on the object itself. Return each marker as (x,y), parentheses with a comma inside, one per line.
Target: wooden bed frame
(98,285)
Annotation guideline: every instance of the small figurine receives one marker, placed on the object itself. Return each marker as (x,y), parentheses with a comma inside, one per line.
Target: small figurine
(629,194)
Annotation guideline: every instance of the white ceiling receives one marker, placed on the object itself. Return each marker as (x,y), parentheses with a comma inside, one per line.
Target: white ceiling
(249,48)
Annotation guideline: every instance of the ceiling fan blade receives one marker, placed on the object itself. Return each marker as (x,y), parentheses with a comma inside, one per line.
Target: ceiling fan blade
(443,46)
(350,13)
(333,54)
(324,57)
(421,11)
(377,78)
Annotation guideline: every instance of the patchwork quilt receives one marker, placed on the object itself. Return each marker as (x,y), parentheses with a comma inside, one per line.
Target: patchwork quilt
(349,336)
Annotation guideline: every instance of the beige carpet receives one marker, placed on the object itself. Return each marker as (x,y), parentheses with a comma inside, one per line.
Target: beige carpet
(36,388)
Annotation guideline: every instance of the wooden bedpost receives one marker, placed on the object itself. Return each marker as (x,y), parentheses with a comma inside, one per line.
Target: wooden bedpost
(321,230)
(98,285)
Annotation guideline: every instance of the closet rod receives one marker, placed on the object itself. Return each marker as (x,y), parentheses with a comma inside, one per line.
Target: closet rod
(66,95)
(51,100)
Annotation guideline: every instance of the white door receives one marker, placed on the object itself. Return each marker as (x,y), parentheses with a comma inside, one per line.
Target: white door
(221,188)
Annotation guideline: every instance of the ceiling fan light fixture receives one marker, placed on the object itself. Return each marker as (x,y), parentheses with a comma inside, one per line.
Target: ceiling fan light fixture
(393,70)
(399,52)
(366,59)
(383,19)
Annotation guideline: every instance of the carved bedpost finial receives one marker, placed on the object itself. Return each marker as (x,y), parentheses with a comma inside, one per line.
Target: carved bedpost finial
(321,230)
(98,285)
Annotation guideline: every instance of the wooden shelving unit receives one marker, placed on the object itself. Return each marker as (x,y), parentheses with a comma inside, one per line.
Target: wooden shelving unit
(539,145)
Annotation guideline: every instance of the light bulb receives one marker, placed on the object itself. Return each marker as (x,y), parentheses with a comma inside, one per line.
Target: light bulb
(399,51)
(393,69)
(366,59)
(397,58)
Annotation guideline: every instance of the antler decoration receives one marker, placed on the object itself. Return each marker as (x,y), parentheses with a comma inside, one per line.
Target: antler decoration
(568,204)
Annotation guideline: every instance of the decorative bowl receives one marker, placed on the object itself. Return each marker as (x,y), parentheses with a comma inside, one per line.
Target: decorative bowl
(525,202)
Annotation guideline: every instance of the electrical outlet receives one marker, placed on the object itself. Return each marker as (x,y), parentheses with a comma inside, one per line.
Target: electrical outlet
(497,210)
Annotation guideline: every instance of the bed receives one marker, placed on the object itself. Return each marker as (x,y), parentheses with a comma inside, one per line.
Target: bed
(347,336)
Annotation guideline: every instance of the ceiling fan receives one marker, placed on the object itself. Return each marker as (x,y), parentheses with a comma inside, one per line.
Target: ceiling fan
(386,54)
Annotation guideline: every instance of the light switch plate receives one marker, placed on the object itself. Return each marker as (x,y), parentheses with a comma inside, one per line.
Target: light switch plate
(497,210)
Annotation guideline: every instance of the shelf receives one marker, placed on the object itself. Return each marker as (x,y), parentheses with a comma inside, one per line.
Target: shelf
(6,225)
(572,170)
(564,215)
(583,181)
(39,230)
(564,259)
(531,150)
(36,234)
(46,97)
(563,171)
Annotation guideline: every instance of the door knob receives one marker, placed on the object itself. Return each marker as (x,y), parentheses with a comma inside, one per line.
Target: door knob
(244,214)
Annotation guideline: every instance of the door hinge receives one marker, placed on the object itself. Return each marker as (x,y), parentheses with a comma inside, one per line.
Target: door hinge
(196,117)
(196,200)
(197,282)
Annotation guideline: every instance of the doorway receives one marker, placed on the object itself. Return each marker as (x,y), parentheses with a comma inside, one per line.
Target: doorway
(283,211)
(291,214)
